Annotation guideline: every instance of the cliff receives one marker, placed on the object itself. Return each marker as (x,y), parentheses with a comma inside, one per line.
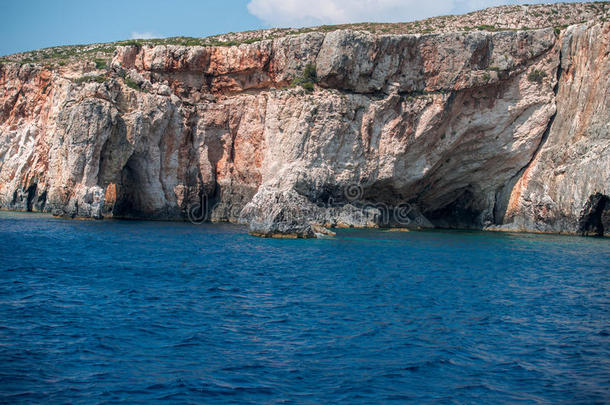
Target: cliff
(500,126)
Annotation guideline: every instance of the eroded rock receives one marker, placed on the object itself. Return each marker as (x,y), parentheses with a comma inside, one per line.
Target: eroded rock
(486,130)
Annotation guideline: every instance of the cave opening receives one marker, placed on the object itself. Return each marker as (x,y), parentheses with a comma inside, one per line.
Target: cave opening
(595,216)
(463,212)
(30,194)
(130,193)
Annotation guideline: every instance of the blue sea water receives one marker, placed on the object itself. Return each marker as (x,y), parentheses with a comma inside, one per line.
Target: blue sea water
(140,312)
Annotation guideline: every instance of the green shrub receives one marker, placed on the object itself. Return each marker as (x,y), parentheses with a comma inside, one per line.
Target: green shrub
(307,79)
(310,73)
(101,49)
(307,86)
(132,42)
(560,28)
(91,79)
(132,84)
(536,76)
(485,27)
(100,64)
(252,40)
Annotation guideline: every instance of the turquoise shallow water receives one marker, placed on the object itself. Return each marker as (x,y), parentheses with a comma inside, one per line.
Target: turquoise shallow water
(137,312)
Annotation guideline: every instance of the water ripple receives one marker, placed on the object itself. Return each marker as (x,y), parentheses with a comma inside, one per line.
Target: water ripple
(114,311)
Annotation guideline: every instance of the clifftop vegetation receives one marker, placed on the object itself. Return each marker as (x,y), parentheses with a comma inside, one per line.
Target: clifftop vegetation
(521,17)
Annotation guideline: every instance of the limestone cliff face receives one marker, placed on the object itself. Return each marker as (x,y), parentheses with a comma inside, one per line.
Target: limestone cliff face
(486,130)
(573,163)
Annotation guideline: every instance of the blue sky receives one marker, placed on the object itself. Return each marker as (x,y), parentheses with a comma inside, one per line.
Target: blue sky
(33,24)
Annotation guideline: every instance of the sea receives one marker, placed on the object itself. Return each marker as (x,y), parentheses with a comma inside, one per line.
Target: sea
(164,312)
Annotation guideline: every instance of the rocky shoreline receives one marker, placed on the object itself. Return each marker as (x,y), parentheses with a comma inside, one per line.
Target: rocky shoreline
(489,129)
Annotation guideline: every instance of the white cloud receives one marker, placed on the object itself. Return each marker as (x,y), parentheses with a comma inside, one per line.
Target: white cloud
(314,12)
(143,35)
(298,13)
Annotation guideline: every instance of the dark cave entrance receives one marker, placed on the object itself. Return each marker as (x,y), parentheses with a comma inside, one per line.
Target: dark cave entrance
(463,212)
(131,191)
(595,216)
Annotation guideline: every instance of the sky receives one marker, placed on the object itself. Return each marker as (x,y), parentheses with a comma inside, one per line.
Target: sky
(34,24)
